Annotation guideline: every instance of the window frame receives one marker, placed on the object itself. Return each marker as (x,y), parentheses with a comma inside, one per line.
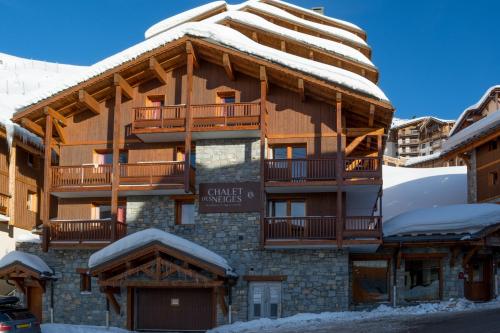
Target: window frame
(271,210)
(426,257)
(179,202)
(361,258)
(98,152)
(265,307)
(32,201)
(289,149)
(493,178)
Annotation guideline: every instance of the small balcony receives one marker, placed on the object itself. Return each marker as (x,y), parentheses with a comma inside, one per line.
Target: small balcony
(321,231)
(312,174)
(168,123)
(88,180)
(84,233)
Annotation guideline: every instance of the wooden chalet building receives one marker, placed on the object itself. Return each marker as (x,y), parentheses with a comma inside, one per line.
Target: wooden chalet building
(250,137)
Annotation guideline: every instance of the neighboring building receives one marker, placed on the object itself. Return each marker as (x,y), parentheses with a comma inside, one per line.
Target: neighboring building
(422,136)
(251,141)
(475,139)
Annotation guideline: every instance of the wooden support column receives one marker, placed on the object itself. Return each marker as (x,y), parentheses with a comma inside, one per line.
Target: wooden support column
(189,117)
(340,171)
(47,181)
(115,176)
(263,131)
(12,183)
(380,154)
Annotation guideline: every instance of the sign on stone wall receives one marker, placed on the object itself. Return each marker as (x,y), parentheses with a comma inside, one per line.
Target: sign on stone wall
(229,197)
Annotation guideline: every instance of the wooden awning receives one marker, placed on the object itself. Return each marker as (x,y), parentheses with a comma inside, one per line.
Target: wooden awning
(23,276)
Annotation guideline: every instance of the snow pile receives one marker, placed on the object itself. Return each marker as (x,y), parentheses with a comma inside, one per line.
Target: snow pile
(28,238)
(406,189)
(477,129)
(4,218)
(187,16)
(464,114)
(227,37)
(453,219)
(65,328)
(284,15)
(260,23)
(148,236)
(309,322)
(28,260)
(419,159)
(19,78)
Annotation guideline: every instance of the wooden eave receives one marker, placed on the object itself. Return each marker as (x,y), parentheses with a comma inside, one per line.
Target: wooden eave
(314,18)
(172,55)
(330,58)
(472,144)
(19,270)
(366,50)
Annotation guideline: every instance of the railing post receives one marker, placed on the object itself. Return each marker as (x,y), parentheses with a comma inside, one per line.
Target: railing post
(115,180)
(340,172)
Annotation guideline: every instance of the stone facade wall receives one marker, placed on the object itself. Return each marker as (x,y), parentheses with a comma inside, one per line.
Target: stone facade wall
(472,179)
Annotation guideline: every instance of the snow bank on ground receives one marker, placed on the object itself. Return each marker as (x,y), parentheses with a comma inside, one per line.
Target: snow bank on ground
(148,236)
(183,17)
(29,260)
(472,107)
(65,328)
(454,219)
(261,23)
(481,127)
(228,37)
(406,189)
(310,321)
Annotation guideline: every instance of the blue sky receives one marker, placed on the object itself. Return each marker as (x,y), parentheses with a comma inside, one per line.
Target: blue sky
(435,57)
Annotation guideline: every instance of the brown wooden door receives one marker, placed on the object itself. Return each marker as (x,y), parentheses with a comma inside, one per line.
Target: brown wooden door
(34,295)
(173,309)
(478,282)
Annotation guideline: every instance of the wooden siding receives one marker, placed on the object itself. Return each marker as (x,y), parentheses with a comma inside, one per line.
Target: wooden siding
(487,162)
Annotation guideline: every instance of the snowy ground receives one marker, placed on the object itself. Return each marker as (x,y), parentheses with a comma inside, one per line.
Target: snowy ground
(382,319)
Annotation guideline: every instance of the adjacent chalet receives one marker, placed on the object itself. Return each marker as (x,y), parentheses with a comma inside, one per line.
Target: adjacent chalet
(248,137)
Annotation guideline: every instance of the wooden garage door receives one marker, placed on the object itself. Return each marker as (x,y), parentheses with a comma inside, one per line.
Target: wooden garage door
(173,309)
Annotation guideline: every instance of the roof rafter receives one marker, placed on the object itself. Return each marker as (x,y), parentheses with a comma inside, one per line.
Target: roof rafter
(157,70)
(85,99)
(190,50)
(226,63)
(127,90)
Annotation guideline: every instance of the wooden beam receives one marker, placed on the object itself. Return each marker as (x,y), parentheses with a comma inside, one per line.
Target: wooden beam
(339,165)
(115,175)
(301,90)
(190,50)
(255,37)
(127,90)
(189,117)
(226,63)
(56,115)
(112,301)
(372,115)
(89,102)
(263,77)
(47,173)
(283,45)
(354,144)
(59,130)
(157,70)
(357,131)
(12,184)
(33,127)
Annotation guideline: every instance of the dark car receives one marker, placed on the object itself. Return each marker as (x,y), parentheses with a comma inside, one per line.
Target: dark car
(15,319)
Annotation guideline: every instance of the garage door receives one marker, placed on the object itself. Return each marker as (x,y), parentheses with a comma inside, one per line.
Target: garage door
(173,309)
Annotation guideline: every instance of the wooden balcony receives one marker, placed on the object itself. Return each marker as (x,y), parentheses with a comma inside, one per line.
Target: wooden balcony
(4,204)
(84,233)
(86,180)
(168,123)
(320,231)
(312,172)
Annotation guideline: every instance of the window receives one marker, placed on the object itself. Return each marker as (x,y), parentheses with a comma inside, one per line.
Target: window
(184,212)
(32,202)
(106,157)
(493,178)
(296,153)
(294,208)
(422,280)
(265,300)
(492,145)
(370,281)
(85,284)
(32,161)
(102,211)
(226,97)
(180,155)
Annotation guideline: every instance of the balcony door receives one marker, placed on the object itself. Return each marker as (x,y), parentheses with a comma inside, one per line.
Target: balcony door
(290,211)
(291,158)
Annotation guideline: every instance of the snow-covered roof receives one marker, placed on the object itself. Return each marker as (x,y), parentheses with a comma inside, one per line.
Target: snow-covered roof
(419,159)
(466,219)
(261,23)
(407,189)
(149,236)
(29,260)
(478,129)
(398,122)
(19,79)
(227,37)
(473,107)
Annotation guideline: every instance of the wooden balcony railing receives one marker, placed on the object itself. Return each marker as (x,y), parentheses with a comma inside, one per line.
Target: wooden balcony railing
(231,116)
(226,116)
(152,173)
(362,167)
(297,228)
(4,204)
(171,118)
(362,227)
(81,175)
(90,176)
(81,231)
(299,170)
